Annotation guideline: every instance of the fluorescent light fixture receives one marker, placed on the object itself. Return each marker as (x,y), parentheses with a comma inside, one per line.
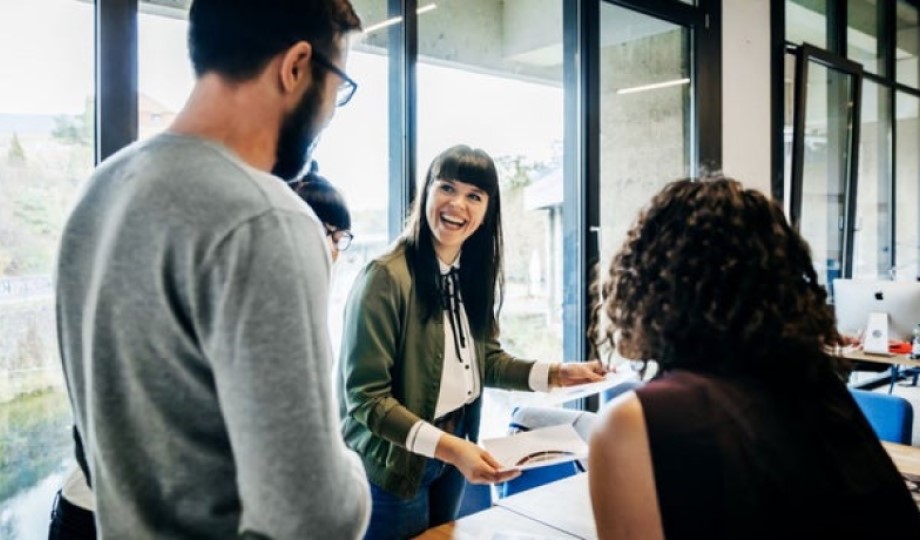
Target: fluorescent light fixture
(643,88)
(397,20)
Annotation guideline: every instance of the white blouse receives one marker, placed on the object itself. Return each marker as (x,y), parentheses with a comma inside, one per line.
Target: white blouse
(460,380)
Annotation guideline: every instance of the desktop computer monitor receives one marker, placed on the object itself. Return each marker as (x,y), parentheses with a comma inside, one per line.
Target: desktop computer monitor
(856,299)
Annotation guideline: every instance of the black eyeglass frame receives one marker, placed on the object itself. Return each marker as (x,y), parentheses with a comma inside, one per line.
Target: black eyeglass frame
(347,89)
(344,241)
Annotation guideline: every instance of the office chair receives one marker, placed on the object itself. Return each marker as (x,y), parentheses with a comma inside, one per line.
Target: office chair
(892,417)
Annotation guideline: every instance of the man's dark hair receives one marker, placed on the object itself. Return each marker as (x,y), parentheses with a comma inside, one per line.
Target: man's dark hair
(237,38)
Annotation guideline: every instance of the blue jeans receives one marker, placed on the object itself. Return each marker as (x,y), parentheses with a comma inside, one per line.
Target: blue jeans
(437,502)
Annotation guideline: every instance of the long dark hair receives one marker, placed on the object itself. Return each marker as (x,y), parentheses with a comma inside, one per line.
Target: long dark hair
(713,278)
(482,252)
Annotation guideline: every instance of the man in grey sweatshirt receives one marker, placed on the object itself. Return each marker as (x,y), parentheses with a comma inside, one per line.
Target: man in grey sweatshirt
(192,292)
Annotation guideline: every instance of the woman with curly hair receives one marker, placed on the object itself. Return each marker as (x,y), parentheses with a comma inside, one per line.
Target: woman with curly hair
(748,430)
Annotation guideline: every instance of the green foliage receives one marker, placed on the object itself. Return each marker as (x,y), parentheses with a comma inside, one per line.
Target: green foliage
(528,336)
(515,171)
(30,351)
(15,154)
(34,441)
(76,129)
(29,226)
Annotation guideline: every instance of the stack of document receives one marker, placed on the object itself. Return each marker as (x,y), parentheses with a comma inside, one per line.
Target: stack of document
(537,448)
(569,393)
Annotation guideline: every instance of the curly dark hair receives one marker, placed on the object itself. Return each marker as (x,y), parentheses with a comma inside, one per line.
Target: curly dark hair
(713,278)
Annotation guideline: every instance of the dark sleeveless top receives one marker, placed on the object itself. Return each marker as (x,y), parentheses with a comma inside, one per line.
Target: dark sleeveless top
(735,459)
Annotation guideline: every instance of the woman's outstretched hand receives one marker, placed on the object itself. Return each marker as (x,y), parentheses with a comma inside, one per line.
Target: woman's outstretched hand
(477,465)
(581,373)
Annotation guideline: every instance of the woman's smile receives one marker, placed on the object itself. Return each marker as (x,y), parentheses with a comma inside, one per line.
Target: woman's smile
(454,211)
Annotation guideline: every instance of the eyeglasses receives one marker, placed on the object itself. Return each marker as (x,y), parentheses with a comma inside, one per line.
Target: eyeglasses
(347,88)
(342,239)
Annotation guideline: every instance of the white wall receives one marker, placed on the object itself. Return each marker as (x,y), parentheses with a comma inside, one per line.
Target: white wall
(746,92)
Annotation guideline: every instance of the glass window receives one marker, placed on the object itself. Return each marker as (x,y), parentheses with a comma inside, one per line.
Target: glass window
(806,22)
(788,126)
(872,240)
(907,186)
(46,151)
(828,126)
(490,75)
(165,76)
(863,45)
(906,54)
(353,154)
(646,121)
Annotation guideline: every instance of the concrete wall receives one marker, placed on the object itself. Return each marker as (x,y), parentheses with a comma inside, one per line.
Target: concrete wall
(746,91)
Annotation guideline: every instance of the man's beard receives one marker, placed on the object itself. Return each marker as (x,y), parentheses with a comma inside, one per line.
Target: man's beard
(297,136)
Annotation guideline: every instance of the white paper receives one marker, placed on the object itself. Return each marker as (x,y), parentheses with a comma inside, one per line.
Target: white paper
(537,448)
(568,393)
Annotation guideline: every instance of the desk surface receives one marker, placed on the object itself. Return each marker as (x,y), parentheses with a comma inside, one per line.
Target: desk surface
(906,458)
(493,524)
(565,505)
(899,359)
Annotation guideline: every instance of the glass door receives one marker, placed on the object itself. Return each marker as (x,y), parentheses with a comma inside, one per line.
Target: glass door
(824,157)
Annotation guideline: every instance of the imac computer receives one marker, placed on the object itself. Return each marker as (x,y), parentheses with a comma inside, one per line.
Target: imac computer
(878,310)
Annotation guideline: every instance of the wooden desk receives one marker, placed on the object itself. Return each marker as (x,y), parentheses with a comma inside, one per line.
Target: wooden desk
(895,359)
(565,505)
(906,458)
(493,524)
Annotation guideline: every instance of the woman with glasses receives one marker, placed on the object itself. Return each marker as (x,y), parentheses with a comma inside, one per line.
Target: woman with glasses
(421,340)
(329,205)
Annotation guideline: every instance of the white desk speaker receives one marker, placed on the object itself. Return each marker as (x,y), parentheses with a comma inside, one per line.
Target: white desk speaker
(875,340)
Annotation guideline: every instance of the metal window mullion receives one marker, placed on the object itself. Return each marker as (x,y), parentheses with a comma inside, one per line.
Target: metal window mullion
(798,136)
(836,24)
(581,165)
(668,10)
(116,62)
(707,39)
(402,45)
(852,171)
(777,101)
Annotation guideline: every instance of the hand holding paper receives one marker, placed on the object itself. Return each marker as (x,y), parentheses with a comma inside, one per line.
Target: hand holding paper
(611,379)
(537,448)
(574,373)
(475,463)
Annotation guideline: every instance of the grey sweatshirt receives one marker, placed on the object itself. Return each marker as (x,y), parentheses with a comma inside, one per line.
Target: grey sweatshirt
(191,305)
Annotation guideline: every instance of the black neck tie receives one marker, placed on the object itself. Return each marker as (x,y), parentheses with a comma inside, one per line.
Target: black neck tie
(450,301)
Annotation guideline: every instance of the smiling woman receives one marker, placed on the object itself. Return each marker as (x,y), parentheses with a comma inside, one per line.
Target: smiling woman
(420,343)
(454,211)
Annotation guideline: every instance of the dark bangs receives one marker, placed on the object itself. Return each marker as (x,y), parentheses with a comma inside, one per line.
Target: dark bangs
(469,166)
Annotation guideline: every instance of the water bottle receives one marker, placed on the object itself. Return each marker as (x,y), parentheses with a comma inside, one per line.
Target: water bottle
(915,343)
